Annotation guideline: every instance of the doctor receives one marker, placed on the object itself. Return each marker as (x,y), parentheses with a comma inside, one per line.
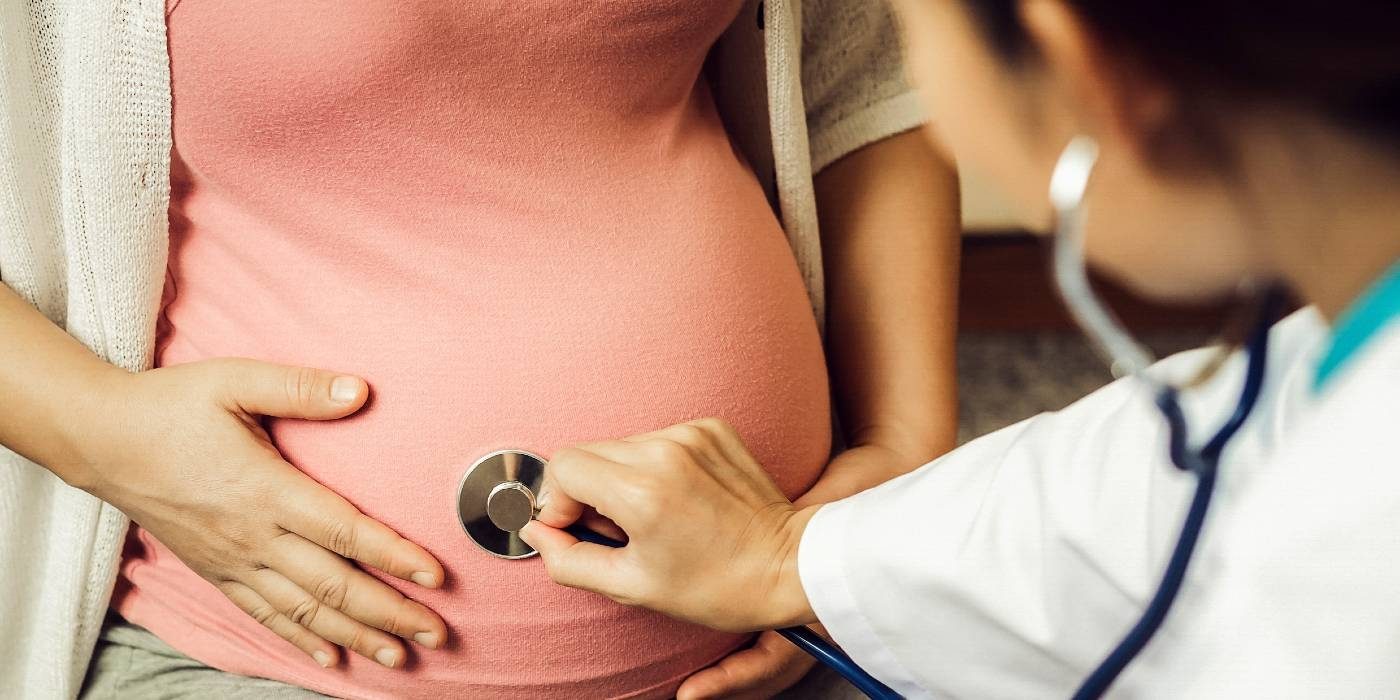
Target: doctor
(1216,148)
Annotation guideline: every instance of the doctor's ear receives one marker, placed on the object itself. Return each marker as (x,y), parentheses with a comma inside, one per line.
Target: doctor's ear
(1102,87)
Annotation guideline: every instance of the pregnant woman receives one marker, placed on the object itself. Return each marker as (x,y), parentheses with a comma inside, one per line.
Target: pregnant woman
(490,220)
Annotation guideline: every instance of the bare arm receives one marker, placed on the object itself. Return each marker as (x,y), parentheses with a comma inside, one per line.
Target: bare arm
(49,384)
(890,237)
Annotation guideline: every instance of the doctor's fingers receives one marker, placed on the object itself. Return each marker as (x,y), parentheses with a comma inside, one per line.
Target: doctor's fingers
(658,478)
(716,444)
(327,519)
(713,440)
(334,583)
(583,565)
(708,443)
(576,478)
(729,443)
(701,444)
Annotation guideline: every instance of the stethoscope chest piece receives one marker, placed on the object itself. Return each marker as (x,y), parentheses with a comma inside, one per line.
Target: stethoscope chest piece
(496,498)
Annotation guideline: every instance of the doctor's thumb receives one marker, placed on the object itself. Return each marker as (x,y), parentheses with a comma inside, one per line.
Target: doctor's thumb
(573,563)
(281,391)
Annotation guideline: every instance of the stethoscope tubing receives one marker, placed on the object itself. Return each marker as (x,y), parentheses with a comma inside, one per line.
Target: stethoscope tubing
(1204,464)
(804,638)
(835,659)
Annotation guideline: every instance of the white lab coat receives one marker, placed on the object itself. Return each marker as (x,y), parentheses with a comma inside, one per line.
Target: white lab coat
(1010,567)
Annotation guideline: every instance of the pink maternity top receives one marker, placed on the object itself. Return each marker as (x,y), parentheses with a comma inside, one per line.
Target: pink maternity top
(524,225)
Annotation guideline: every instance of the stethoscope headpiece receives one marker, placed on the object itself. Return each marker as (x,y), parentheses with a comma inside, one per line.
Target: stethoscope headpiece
(497,497)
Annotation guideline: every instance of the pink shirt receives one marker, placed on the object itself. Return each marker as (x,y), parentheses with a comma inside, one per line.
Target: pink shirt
(524,225)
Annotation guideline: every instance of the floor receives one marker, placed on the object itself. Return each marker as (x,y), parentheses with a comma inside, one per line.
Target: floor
(1020,354)
(1005,376)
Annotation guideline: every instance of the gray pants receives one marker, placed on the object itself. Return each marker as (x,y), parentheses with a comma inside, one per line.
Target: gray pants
(130,663)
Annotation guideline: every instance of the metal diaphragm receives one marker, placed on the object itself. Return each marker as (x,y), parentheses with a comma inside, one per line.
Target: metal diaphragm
(496,498)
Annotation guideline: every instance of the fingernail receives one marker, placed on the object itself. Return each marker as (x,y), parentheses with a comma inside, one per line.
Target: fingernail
(427,639)
(344,389)
(424,578)
(387,657)
(322,658)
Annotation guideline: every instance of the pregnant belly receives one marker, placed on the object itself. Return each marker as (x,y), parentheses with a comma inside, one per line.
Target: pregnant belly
(602,335)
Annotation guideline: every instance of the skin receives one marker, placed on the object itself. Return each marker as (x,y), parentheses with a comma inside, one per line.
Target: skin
(1287,212)
(890,238)
(181,449)
(1306,203)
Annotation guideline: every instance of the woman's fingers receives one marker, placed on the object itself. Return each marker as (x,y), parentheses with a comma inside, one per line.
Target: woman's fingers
(263,512)
(266,389)
(305,610)
(337,583)
(325,518)
(323,652)
(770,666)
(317,587)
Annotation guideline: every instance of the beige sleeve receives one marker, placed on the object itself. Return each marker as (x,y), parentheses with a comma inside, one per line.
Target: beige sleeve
(853,77)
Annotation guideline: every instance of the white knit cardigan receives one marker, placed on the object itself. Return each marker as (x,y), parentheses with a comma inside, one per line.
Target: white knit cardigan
(84,189)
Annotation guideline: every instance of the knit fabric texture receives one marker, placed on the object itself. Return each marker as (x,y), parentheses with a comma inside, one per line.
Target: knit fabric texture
(84,192)
(553,243)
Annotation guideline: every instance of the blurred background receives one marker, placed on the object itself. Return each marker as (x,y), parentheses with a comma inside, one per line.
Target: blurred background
(1019,354)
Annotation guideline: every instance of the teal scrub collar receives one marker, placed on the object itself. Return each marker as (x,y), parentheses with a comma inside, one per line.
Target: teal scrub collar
(1361,323)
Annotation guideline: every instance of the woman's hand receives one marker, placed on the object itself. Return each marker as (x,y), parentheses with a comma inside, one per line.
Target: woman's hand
(711,540)
(181,450)
(763,670)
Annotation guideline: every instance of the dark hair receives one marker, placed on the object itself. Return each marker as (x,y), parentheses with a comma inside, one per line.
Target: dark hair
(1338,58)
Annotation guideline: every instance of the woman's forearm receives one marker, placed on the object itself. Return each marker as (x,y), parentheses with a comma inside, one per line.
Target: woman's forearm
(891,238)
(49,385)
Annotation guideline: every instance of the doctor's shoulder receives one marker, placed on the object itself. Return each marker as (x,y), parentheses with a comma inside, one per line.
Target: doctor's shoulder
(1296,590)
(1349,420)
(1325,430)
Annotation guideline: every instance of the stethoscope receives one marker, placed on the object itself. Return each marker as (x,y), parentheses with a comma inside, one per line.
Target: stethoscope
(1068,184)
(1203,463)
(496,496)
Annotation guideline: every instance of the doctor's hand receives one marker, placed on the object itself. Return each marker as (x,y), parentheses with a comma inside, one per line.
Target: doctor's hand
(710,538)
(773,664)
(182,451)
